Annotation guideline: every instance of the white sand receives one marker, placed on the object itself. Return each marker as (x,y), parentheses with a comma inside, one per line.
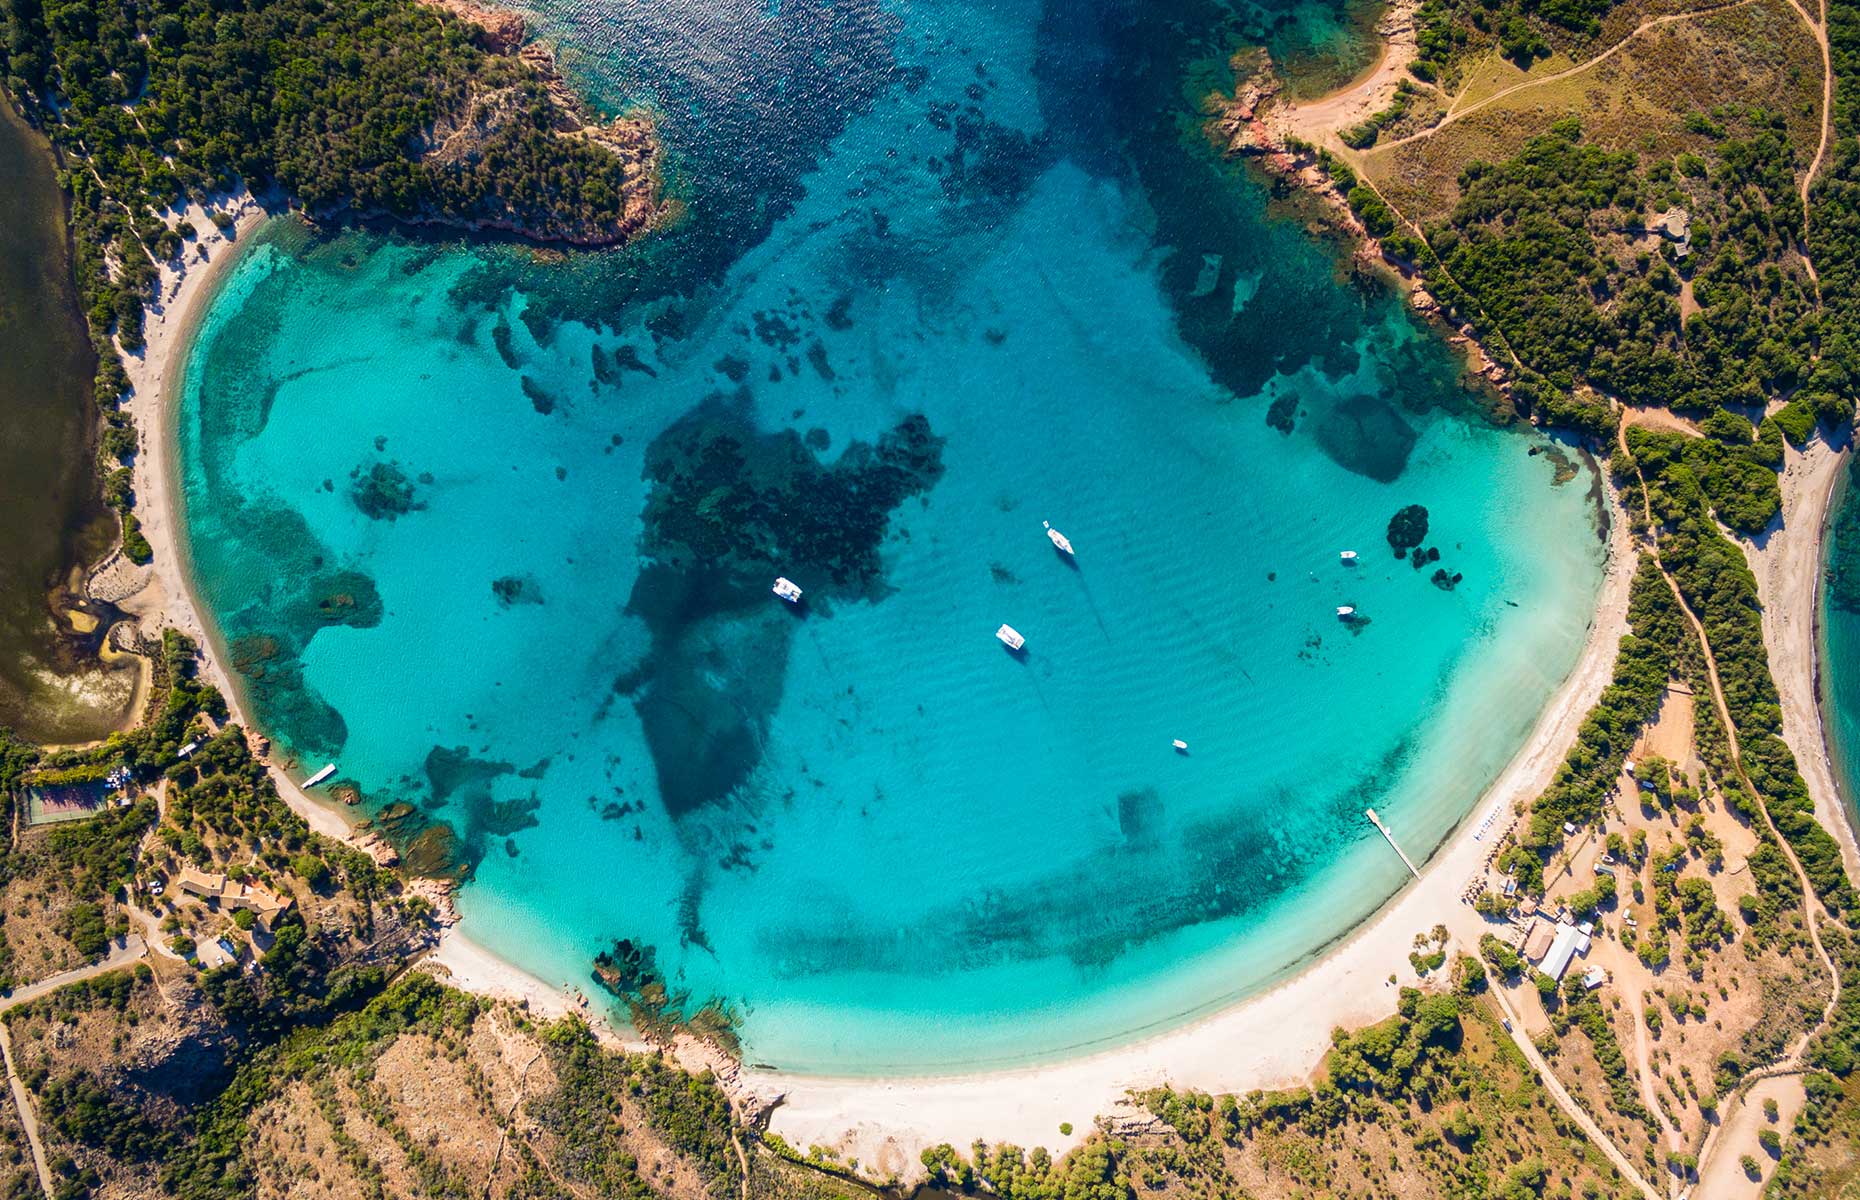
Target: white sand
(1787,563)
(1318,119)
(167,599)
(1275,1039)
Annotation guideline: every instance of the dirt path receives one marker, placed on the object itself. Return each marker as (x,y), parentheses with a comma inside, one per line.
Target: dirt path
(1643,1064)
(1722,1175)
(1567,1102)
(122,952)
(1819,31)
(1567,72)
(129,949)
(27,1117)
(1811,905)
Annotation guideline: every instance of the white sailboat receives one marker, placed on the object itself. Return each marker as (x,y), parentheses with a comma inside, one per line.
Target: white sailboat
(1059,540)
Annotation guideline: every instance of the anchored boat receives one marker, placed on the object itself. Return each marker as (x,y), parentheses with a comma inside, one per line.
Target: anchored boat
(1345,612)
(1010,637)
(787,590)
(1059,540)
(1348,556)
(1181,747)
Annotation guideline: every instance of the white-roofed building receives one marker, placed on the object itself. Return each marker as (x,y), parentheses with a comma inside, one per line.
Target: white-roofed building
(1568,943)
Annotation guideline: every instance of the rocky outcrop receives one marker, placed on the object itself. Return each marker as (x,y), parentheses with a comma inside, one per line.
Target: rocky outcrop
(1251,124)
(463,137)
(500,30)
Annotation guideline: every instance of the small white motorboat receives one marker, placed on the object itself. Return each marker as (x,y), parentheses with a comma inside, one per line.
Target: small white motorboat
(787,590)
(1058,539)
(1348,556)
(1181,747)
(1010,637)
(1345,612)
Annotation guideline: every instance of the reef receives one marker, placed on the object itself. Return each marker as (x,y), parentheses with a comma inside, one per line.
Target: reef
(630,972)
(728,499)
(1282,413)
(1134,903)
(270,659)
(1407,529)
(512,590)
(1367,435)
(987,162)
(539,397)
(383,492)
(730,508)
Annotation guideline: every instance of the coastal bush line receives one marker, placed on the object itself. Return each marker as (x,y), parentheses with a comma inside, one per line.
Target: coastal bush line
(1449,32)
(1435,1098)
(1643,663)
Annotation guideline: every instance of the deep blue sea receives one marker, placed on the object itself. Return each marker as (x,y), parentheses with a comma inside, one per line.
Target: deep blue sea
(494,530)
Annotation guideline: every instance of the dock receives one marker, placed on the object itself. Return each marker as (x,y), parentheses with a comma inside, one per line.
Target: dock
(320,776)
(1377,822)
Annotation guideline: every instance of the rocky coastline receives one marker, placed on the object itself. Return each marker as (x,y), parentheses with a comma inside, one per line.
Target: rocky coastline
(1258,122)
(631,137)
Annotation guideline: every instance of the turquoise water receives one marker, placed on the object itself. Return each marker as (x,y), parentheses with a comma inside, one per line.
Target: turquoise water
(1838,672)
(495,532)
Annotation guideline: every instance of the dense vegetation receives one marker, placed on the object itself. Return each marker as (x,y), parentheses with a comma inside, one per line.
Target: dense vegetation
(372,106)
(1533,256)
(1434,1101)
(1834,212)
(1448,31)
(1642,666)
(1716,581)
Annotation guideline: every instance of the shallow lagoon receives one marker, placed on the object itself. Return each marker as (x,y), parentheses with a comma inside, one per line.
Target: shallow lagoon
(496,535)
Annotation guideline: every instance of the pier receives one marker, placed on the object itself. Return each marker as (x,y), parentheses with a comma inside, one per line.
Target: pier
(1377,822)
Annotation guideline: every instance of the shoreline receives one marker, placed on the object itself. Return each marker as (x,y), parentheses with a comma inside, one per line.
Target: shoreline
(1787,563)
(168,598)
(887,1121)
(1276,1037)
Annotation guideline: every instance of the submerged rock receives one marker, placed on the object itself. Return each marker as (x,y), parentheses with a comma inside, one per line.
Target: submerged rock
(1407,528)
(516,589)
(383,492)
(1282,413)
(630,972)
(732,507)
